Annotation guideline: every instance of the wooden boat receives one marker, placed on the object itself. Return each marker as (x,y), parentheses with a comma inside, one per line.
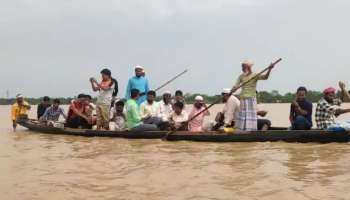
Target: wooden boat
(279,134)
(41,128)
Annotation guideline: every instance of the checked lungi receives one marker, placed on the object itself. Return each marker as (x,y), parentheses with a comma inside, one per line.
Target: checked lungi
(247,119)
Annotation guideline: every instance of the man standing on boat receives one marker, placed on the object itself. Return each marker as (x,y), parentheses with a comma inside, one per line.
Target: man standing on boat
(248,109)
(104,99)
(21,107)
(139,82)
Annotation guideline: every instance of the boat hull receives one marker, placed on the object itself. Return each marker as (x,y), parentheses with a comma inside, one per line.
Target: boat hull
(317,136)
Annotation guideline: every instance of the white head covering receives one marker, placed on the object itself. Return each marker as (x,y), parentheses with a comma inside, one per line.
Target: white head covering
(167,92)
(199,98)
(19,96)
(248,63)
(139,67)
(226,91)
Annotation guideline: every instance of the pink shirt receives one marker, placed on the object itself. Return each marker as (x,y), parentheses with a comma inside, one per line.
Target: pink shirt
(196,125)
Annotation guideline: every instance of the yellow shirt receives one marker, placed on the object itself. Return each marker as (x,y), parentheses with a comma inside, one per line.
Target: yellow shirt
(17,110)
(249,89)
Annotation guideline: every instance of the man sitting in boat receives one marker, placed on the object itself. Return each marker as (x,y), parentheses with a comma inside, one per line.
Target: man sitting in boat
(179,97)
(164,110)
(148,109)
(133,117)
(196,124)
(77,113)
(178,118)
(43,106)
(21,107)
(230,111)
(53,113)
(326,110)
(301,111)
(118,121)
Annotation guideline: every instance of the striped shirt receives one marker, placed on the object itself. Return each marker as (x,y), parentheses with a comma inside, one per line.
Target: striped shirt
(52,114)
(325,114)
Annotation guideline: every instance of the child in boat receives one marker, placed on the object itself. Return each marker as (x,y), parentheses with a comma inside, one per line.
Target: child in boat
(196,124)
(178,118)
(104,99)
(118,121)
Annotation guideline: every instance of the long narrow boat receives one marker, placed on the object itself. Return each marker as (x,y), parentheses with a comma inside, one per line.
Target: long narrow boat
(319,136)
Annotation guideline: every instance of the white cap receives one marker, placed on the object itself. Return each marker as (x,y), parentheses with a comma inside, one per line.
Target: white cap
(248,62)
(199,98)
(226,91)
(19,96)
(139,67)
(167,92)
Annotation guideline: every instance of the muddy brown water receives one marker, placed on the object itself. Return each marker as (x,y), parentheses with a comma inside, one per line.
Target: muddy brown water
(39,166)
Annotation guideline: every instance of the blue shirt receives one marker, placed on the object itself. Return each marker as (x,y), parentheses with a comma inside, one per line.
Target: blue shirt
(140,83)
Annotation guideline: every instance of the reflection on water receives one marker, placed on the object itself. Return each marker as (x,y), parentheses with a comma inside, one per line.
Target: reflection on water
(38,166)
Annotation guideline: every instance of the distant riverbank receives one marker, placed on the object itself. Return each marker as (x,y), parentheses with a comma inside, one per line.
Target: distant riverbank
(263,97)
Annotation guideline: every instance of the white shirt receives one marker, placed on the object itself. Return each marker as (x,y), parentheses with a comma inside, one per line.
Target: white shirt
(164,111)
(148,110)
(178,119)
(118,123)
(105,96)
(231,109)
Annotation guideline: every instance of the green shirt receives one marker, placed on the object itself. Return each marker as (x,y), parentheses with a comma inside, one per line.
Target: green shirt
(133,117)
(249,89)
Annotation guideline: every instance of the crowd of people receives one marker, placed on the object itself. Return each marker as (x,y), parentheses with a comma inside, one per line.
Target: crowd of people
(140,110)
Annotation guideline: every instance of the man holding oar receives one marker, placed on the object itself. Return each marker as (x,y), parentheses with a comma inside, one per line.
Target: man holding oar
(247,120)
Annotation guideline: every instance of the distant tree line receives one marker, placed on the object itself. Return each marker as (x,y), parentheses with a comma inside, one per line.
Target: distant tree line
(263,97)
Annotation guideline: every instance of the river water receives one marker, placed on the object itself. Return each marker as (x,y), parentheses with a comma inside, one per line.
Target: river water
(38,166)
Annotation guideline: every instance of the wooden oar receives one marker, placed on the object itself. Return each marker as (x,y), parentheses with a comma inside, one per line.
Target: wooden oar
(234,88)
(168,82)
(171,80)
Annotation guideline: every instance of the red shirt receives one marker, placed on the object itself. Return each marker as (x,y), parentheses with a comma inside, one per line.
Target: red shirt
(75,106)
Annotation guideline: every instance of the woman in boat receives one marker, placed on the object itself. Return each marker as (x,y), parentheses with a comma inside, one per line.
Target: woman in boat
(247,120)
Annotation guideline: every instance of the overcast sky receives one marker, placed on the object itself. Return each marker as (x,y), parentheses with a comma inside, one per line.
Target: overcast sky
(52,47)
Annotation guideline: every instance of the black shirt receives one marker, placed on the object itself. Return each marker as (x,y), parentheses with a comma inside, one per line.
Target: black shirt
(305,105)
(41,109)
